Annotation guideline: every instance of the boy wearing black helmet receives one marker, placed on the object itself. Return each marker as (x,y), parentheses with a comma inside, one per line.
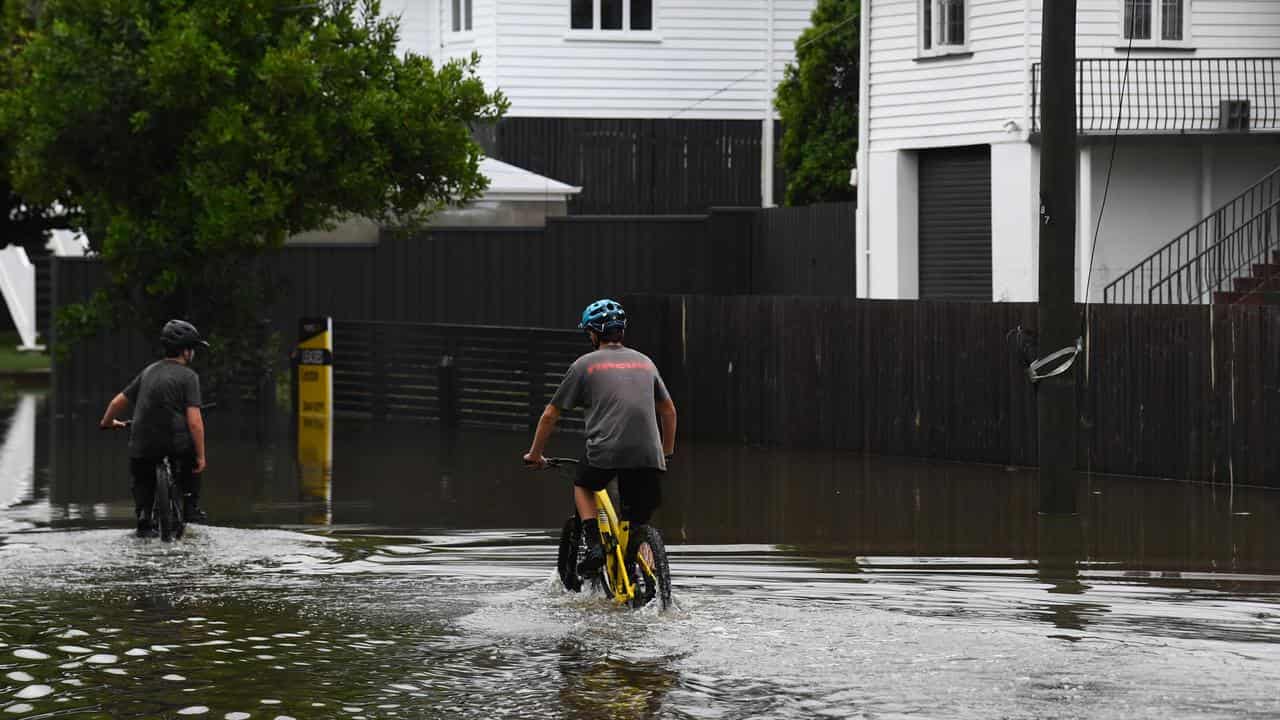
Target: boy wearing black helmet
(625,398)
(166,423)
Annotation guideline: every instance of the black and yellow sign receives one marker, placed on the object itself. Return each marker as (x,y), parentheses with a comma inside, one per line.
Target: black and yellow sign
(315,410)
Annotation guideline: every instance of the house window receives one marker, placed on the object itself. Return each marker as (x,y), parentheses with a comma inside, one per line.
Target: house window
(1155,20)
(461,15)
(942,24)
(630,15)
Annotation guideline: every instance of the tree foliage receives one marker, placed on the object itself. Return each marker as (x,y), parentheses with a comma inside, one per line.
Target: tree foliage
(22,222)
(195,135)
(818,103)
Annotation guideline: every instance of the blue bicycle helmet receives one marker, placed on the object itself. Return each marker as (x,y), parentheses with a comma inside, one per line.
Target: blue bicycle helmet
(603,316)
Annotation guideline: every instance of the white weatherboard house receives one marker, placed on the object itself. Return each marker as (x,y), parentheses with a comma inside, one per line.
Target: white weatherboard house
(658,60)
(1189,91)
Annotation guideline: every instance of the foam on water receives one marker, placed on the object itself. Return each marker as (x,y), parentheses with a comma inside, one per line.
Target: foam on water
(71,559)
(33,692)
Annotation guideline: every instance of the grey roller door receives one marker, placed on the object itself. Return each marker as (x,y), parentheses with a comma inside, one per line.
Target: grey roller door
(955,224)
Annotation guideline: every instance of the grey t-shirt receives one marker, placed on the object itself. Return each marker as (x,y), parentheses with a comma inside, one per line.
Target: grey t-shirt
(160,396)
(619,388)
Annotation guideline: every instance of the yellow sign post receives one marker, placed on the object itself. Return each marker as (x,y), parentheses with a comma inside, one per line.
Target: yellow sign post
(314,359)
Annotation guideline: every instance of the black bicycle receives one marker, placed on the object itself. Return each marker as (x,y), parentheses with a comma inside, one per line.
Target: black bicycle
(166,508)
(167,499)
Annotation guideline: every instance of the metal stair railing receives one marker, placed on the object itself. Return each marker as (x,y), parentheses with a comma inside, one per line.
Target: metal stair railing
(1213,269)
(1189,268)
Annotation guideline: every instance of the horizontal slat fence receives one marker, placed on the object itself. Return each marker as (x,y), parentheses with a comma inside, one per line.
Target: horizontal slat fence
(503,376)
(1186,392)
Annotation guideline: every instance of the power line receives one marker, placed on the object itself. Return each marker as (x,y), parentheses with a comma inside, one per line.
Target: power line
(852,16)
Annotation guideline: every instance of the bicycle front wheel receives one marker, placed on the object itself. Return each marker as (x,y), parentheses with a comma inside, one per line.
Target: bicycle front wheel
(649,567)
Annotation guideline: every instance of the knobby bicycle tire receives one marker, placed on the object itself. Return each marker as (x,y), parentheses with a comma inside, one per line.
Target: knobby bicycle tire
(567,557)
(655,584)
(167,510)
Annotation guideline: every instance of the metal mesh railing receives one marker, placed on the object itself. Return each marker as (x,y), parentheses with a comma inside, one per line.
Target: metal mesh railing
(1172,95)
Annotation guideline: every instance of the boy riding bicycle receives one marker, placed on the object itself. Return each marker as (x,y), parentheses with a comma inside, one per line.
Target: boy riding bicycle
(166,423)
(625,398)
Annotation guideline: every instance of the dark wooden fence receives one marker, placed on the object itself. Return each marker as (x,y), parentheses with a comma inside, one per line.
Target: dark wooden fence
(805,251)
(469,375)
(1187,392)
(641,165)
(544,277)
(100,366)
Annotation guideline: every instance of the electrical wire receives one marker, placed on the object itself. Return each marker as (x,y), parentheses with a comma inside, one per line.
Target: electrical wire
(1106,188)
(799,46)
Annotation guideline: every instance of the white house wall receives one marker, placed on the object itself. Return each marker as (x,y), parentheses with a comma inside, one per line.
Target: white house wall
(419,25)
(936,102)
(890,267)
(939,102)
(1237,165)
(1218,28)
(1015,246)
(424,30)
(704,46)
(1142,213)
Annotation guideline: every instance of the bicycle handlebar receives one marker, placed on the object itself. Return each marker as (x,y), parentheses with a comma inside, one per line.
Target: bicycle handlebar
(558,461)
(129,422)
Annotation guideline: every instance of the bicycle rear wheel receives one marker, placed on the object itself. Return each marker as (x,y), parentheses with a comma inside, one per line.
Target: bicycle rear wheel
(567,557)
(652,578)
(168,504)
(163,512)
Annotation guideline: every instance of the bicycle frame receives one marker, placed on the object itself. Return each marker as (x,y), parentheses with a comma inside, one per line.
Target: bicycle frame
(614,534)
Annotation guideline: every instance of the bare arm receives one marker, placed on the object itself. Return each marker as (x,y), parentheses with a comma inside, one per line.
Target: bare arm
(195,422)
(546,425)
(667,420)
(115,408)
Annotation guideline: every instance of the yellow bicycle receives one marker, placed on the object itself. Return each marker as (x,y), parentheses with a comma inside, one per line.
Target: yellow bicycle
(636,571)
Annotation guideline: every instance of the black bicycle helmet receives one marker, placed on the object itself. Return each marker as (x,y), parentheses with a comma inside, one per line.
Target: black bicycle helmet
(180,335)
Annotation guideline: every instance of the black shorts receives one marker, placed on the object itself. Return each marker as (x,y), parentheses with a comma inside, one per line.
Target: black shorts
(640,489)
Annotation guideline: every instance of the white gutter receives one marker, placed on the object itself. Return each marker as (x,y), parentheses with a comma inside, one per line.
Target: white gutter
(862,224)
(766,127)
(1026,70)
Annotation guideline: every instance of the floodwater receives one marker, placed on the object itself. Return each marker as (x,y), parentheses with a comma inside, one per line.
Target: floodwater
(420,584)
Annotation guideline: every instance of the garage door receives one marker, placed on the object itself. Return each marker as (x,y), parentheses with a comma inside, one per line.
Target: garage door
(955,224)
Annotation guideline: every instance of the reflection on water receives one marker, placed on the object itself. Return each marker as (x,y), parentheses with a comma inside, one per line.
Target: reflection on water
(18,452)
(806,584)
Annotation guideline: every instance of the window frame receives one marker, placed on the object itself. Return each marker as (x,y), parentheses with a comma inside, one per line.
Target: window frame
(1157,28)
(467,10)
(597,34)
(934,30)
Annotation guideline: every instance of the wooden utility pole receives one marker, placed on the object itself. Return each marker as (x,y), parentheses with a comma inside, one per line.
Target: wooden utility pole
(1055,396)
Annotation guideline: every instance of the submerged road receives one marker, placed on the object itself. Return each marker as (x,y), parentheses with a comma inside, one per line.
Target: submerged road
(807,585)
